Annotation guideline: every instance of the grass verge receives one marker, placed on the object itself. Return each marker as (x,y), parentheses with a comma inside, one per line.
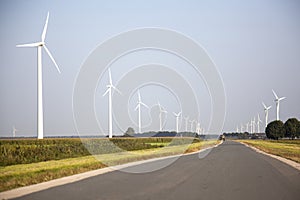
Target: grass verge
(27,174)
(289,149)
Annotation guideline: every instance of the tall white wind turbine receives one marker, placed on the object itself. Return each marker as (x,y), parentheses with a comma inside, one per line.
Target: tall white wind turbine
(138,107)
(39,45)
(258,123)
(161,111)
(177,115)
(277,100)
(266,109)
(110,87)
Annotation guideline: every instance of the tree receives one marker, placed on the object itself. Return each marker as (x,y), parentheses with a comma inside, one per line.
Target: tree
(292,127)
(275,130)
(129,132)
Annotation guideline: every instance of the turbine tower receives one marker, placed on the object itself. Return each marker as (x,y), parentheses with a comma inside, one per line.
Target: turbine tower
(247,127)
(277,100)
(138,107)
(161,111)
(177,120)
(258,122)
(110,87)
(266,109)
(242,128)
(40,45)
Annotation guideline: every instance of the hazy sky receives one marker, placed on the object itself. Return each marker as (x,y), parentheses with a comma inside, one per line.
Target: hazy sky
(254,44)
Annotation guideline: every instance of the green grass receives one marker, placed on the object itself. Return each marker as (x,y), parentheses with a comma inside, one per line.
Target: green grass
(289,149)
(14,176)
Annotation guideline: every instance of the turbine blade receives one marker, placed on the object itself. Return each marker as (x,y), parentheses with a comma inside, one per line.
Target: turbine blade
(50,55)
(139,95)
(106,92)
(110,79)
(144,104)
(275,94)
(116,89)
(45,28)
(137,107)
(264,105)
(29,45)
(269,107)
(281,98)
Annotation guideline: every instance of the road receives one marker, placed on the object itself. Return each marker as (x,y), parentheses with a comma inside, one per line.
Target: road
(230,171)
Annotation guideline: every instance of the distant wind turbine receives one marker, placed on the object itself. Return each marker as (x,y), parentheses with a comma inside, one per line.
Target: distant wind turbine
(110,87)
(14,130)
(247,127)
(242,128)
(192,123)
(138,107)
(258,122)
(237,129)
(277,100)
(266,109)
(39,45)
(177,115)
(161,111)
(254,124)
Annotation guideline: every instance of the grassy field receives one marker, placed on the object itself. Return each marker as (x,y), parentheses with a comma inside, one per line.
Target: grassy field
(14,176)
(289,149)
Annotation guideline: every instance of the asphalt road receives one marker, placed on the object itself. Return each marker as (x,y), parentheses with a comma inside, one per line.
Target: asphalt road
(230,171)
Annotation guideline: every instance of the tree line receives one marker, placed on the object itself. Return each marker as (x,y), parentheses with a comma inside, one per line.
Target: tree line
(277,129)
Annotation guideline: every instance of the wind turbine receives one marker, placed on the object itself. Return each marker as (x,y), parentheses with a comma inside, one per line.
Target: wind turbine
(138,107)
(14,130)
(237,129)
(192,122)
(258,121)
(39,45)
(242,128)
(247,127)
(186,123)
(266,109)
(110,87)
(277,100)
(161,111)
(253,124)
(177,120)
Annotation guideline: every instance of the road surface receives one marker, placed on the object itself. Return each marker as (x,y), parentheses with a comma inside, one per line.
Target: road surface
(230,171)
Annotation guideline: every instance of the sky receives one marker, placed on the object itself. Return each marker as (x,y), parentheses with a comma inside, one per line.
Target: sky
(253,44)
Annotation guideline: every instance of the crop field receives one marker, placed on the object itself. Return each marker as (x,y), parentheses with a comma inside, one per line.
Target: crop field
(27,162)
(289,149)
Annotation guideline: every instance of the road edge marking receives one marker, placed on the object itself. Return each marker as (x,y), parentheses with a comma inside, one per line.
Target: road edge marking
(22,191)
